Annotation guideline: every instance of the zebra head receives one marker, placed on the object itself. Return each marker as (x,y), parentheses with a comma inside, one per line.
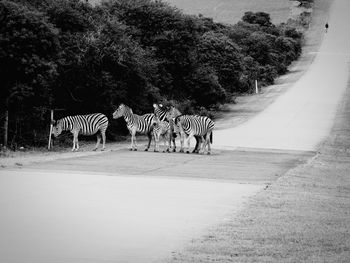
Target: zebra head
(172,113)
(120,111)
(57,128)
(159,111)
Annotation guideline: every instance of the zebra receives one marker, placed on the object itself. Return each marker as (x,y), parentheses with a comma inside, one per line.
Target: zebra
(135,123)
(162,124)
(85,125)
(170,113)
(162,129)
(194,125)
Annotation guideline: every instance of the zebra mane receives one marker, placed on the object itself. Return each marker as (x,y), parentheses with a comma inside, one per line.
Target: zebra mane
(176,118)
(65,122)
(128,108)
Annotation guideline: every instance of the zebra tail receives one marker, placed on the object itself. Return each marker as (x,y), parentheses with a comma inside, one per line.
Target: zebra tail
(211,137)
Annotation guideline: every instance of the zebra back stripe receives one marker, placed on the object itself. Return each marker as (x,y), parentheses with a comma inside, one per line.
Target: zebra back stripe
(142,123)
(159,112)
(198,125)
(87,124)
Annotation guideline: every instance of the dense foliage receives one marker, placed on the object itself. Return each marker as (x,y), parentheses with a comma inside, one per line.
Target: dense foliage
(70,55)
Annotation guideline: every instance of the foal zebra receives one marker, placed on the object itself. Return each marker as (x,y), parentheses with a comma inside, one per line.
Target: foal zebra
(135,123)
(85,125)
(168,114)
(194,125)
(163,127)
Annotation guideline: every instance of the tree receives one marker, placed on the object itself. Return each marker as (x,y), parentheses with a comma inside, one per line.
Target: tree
(28,47)
(84,58)
(218,51)
(260,18)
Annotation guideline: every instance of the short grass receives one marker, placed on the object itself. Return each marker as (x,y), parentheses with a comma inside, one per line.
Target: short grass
(231,11)
(303,217)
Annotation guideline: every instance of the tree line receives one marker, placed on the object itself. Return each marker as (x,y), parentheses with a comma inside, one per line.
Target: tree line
(68,54)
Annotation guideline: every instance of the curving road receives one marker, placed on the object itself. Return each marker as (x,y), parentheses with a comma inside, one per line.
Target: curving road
(302,117)
(122,206)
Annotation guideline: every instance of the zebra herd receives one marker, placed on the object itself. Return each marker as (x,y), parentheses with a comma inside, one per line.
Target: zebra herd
(165,122)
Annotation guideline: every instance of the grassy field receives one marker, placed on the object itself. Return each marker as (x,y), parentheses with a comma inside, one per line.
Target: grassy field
(231,11)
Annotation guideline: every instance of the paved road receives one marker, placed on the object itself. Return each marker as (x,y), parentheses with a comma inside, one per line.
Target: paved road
(73,217)
(252,166)
(123,206)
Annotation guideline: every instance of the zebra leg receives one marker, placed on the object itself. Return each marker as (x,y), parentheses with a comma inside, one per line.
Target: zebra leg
(167,141)
(204,144)
(189,142)
(103,140)
(149,135)
(182,135)
(98,142)
(77,144)
(75,141)
(133,142)
(198,144)
(172,137)
(208,143)
(169,137)
(156,141)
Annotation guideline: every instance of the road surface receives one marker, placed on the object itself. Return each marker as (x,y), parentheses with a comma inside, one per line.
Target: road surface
(125,206)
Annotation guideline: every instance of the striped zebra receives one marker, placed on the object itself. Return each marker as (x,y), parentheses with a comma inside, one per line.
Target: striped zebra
(194,125)
(85,125)
(136,124)
(171,114)
(163,127)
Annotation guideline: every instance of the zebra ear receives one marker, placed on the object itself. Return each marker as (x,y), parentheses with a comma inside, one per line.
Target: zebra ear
(154,105)
(53,122)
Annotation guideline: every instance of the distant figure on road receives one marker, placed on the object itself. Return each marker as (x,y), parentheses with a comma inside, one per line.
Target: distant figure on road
(326,27)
